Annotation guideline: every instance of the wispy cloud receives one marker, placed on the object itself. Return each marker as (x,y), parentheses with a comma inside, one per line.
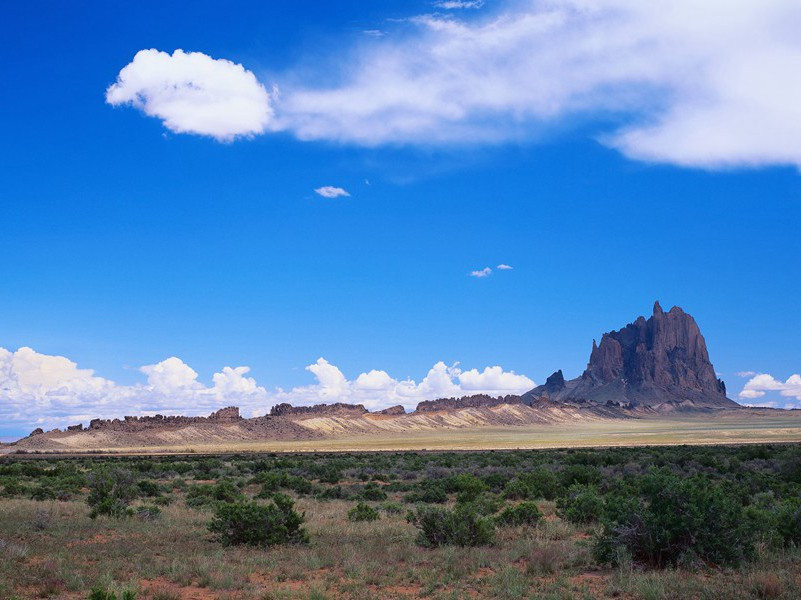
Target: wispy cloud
(459,4)
(503,267)
(329,191)
(709,85)
(746,373)
(485,272)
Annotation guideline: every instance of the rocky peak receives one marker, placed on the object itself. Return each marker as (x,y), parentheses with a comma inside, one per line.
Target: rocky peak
(556,382)
(667,350)
(650,362)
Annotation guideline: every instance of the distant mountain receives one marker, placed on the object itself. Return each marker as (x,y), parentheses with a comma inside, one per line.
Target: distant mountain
(658,364)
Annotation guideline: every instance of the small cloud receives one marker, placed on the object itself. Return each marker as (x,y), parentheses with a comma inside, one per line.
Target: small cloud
(329,191)
(458,4)
(503,267)
(745,373)
(377,33)
(485,272)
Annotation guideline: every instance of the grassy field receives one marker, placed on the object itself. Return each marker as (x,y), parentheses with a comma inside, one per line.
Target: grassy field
(723,428)
(50,547)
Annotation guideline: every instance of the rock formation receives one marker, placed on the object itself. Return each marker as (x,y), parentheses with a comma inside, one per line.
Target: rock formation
(477,401)
(393,411)
(131,424)
(339,409)
(658,363)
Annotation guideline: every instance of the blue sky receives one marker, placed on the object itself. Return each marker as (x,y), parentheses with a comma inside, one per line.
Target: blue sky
(127,242)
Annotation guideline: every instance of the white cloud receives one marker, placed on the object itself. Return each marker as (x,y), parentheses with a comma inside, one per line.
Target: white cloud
(746,373)
(708,85)
(329,191)
(39,390)
(485,272)
(763,383)
(457,4)
(377,389)
(170,375)
(711,85)
(503,267)
(194,93)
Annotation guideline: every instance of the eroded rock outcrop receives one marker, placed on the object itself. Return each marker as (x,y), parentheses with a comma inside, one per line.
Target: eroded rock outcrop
(661,362)
(339,409)
(229,414)
(477,401)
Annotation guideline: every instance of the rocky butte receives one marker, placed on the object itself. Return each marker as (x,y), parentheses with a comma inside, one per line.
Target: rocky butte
(657,364)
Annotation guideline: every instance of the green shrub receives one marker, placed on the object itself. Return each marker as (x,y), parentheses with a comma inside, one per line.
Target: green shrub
(461,526)
(788,522)
(468,487)
(536,484)
(258,525)
(363,512)
(373,491)
(582,504)
(205,494)
(110,492)
(149,488)
(669,520)
(525,513)
(392,508)
(484,504)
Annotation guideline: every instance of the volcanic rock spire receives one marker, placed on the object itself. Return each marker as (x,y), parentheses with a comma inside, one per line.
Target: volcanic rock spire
(660,363)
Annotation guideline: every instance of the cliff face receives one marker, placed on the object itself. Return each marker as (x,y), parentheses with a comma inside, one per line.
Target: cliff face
(659,362)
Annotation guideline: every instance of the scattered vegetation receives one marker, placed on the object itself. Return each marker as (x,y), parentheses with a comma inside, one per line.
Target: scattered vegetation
(670,522)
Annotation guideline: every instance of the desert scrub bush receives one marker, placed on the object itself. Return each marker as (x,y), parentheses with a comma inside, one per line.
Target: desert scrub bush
(539,483)
(372,491)
(392,508)
(467,487)
(525,513)
(484,504)
(788,522)
(110,492)
(669,520)
(462,526)
(259,525)
(363,512)
(206,494)
(582,504)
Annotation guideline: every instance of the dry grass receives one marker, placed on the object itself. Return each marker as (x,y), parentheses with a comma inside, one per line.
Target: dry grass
(65,554)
